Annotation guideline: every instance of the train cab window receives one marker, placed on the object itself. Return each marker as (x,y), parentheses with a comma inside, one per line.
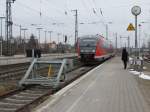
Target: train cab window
(88,42)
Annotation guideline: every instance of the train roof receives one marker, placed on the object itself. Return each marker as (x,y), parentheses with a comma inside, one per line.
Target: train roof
(95,36)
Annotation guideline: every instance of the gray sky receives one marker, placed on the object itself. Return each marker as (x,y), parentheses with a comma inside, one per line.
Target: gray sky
(27,12)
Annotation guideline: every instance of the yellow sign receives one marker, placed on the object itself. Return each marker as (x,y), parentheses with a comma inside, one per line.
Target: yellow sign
(130,27)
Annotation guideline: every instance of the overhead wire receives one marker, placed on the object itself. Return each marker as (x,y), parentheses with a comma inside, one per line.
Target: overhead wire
(94,10)
(63,13)
(36,11)
(59,10)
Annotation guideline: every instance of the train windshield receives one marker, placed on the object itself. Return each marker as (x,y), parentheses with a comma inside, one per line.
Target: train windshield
(87,42)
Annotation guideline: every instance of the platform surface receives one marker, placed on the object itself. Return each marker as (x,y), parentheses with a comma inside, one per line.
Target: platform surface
(108,88)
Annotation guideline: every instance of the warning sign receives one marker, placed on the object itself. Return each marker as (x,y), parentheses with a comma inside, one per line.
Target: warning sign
(130,27)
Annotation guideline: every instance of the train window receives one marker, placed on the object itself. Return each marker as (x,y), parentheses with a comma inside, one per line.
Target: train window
(88,42)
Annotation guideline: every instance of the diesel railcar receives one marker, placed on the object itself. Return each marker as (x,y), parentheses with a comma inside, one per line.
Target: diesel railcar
(94,48)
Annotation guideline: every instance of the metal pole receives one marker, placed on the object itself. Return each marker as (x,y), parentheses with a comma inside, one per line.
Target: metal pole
(116,41)
(24,42)
(39,31)
(9,24)
(76,26)
(1,47)
(2,35)
(2,26)
(58,37)
(58,42)
(120,42)
(45,38)
(139,38)
(107,31)
(136,44)
(129,44)
(39,37)
(20,34)
(50,33)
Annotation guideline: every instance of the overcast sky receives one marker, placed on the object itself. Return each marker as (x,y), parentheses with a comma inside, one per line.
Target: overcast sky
(27,12)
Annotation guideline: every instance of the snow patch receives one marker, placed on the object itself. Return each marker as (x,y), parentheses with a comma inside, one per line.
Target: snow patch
(135,72)
(131,69)
(144,68)
(143,76)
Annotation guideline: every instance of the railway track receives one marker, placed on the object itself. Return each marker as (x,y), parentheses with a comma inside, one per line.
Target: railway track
(12,66)
(13,72)
(21,99)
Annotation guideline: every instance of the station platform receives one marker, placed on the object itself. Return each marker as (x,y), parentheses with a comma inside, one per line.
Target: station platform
(22,58)
(107,88)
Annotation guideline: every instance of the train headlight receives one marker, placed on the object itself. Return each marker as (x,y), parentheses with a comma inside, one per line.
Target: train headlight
(82,50)
(93,50)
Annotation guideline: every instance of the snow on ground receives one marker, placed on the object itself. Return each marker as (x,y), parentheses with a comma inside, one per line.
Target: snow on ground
(143,76)
(140,74)
(135,72)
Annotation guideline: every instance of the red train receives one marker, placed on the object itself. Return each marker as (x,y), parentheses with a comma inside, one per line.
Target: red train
(94,48)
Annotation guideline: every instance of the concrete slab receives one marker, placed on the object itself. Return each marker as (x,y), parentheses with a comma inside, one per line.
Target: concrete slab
(108,88)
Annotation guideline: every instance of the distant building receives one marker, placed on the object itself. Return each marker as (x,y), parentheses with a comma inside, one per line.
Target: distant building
(49,47)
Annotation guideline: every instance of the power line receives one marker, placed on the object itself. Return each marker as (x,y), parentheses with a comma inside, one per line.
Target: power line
(28,7)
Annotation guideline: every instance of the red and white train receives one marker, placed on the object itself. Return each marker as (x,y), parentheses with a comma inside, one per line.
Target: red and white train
(94,48)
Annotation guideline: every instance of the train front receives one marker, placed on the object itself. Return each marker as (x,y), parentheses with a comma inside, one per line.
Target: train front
(87,48)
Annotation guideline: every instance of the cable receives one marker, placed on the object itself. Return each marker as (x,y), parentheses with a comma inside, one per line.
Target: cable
(38,12)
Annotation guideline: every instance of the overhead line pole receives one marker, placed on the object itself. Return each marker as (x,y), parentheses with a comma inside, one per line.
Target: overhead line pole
(20,33)
(9,23)
(39,31)
(116,41)
(107,31)
(45,39)
(24,42)
(1,18)
(76,26)
(50,34)
(1,39)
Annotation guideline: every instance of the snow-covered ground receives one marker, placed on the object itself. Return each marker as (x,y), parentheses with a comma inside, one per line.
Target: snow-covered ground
(140,74)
